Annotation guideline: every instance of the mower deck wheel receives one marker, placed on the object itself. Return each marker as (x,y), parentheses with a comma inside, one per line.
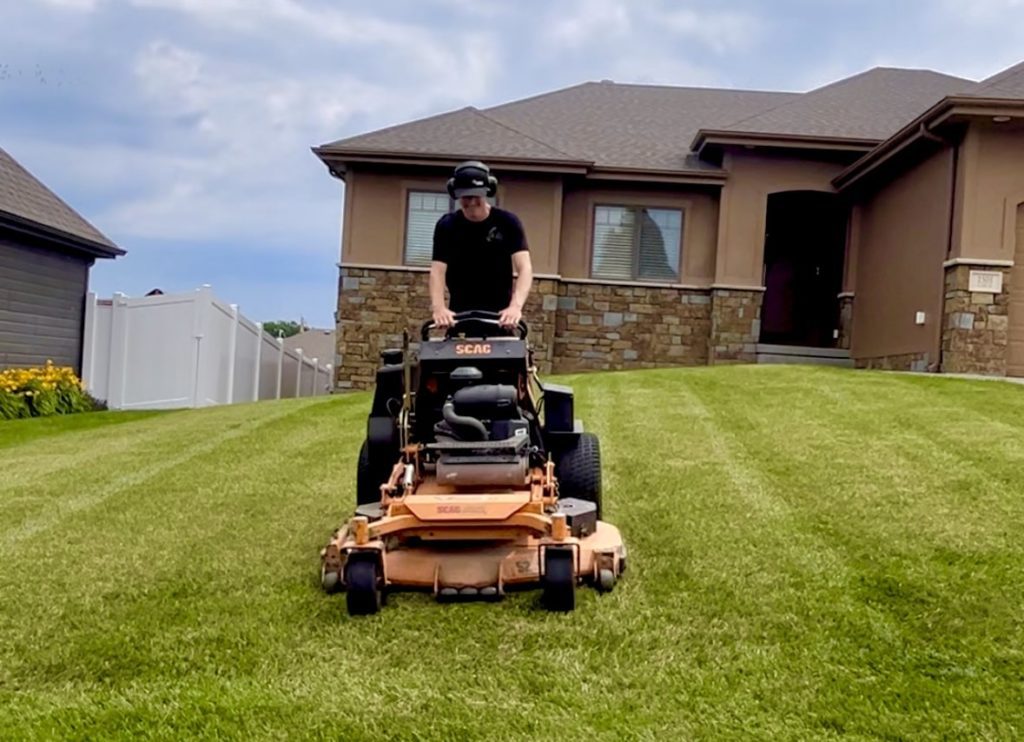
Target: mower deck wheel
(363,595)
(329,581)
(559,581)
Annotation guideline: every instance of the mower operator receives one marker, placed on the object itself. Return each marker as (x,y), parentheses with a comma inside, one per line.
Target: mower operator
(474,253)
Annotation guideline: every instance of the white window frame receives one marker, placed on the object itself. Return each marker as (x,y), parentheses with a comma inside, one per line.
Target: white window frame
(635,269)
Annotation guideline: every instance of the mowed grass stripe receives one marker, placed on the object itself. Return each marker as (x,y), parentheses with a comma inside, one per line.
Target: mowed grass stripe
(61,484)
(781,583)
(895,530)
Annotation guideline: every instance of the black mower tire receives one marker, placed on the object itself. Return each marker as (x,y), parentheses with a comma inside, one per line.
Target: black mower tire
(368,479)
(362,580)
(579,470)
(558,583)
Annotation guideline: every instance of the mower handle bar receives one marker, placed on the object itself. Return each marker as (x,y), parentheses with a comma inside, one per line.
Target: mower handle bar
(478,315)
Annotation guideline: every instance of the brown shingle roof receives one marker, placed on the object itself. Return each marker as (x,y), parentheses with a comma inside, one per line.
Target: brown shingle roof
(463,133)
(606,124)
(23,197)
(872,105)
(1007,84)
(645,127)
(632,126)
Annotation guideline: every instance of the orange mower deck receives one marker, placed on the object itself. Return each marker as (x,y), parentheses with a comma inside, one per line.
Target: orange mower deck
(469,544)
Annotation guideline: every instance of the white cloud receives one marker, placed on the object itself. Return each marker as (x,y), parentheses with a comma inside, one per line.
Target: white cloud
(719,31)
(80,5)
(468,64)
(588,22)
(980,10)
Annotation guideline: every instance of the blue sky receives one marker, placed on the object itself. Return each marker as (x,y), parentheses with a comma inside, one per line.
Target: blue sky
(182,128)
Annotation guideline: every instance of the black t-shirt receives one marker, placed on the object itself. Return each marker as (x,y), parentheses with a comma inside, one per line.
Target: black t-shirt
(479,258)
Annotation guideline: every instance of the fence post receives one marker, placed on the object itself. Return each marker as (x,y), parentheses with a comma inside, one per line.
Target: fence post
(298,374)
(118,350)
(232,352)
(259,356)
(330,378)
(89,341)
(200,303)
(280,366)
(316,373)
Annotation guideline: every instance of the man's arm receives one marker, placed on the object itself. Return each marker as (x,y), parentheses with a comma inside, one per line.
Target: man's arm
(443,317)
(521,291)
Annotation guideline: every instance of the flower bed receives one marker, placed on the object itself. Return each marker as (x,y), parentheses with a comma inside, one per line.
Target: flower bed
(38,392)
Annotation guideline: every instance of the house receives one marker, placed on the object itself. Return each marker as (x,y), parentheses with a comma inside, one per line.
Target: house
(46,250)
(877,221)
(314,342)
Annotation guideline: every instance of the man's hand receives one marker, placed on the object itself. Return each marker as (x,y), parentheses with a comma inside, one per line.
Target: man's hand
(510,316)
(444,317)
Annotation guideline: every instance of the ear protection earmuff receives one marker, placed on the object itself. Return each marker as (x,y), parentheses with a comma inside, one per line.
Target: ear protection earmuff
(468,172)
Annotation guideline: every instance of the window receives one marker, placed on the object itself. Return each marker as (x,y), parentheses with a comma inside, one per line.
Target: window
(636,243)
(424,209)
(423,212)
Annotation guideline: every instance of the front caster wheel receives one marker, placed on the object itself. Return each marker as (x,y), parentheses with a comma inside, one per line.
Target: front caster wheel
(559,580)
(362,577)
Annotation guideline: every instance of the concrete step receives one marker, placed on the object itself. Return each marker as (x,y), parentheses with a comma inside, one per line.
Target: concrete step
(807,359)
(802,350)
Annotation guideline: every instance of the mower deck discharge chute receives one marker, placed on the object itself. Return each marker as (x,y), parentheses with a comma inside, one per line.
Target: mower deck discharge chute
(474,478)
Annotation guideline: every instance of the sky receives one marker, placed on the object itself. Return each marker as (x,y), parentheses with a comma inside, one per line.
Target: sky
(182,129)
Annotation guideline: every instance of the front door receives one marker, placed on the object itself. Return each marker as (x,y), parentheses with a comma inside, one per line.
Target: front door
(805,242)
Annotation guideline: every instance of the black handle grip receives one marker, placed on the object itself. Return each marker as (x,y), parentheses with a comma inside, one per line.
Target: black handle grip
(473,315)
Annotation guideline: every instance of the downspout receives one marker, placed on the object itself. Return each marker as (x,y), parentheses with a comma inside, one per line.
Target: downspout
(955,146)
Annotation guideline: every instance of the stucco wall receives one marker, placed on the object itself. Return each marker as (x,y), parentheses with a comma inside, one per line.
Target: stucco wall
(700,226)
(992,186)
(752,177)
(903,235)
(375,214)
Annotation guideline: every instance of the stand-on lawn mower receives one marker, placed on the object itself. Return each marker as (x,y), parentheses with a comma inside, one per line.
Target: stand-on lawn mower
(472,482)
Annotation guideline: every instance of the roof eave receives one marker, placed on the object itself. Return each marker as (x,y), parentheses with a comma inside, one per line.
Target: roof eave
(337,160)
(720,137)
(921,128)
(696,177)
(59,237)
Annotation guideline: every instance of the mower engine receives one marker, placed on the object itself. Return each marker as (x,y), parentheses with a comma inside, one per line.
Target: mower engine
(483,438)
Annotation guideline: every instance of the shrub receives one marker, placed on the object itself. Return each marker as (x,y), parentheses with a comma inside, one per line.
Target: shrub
(38,392)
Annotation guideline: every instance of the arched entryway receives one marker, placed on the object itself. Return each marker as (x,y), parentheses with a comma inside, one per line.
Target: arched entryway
(805,240)
(1015,336)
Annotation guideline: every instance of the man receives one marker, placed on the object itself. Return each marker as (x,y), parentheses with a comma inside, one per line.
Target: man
(475,251)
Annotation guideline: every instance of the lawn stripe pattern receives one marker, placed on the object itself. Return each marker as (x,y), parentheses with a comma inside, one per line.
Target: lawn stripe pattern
(814,553)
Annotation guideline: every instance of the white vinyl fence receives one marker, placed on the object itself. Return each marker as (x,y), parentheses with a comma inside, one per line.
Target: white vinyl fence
(188,350)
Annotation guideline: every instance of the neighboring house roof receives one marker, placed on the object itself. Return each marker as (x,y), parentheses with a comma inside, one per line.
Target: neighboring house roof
(28,205)
(315,343)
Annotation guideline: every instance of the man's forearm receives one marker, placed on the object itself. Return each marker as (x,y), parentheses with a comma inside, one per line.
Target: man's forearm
(522,287)
(436,290)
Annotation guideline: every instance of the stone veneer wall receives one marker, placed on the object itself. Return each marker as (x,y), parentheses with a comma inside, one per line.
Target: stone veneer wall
(975,325)
(845,322)
(373,309)
(735,325)
(574,326)
(605,326)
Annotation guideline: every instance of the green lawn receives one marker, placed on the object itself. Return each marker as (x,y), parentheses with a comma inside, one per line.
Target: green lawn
(814,553)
